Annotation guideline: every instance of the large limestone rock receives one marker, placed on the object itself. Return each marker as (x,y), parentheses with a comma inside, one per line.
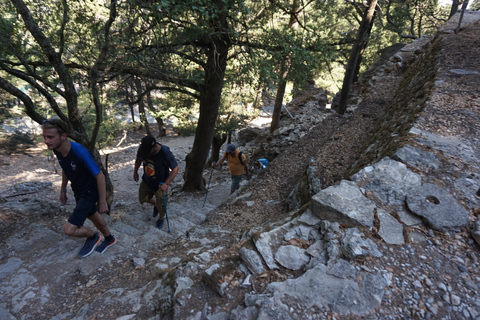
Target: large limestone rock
(326,287)
(388,180)
(345,204)
(438,207)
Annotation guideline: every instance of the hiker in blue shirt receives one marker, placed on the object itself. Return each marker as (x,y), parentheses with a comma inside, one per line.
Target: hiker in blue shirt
(88,185)
(159,170)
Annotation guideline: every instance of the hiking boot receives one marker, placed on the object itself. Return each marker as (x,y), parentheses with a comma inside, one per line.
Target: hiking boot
(106,244)
(160,223)
(155,212)
(89,245)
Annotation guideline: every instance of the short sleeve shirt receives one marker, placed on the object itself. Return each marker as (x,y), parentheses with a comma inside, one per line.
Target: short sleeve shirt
(156,168)
(80,168)
(234,165)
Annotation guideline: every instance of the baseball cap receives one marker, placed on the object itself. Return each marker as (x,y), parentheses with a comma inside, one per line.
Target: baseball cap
(230,148)
(148,142)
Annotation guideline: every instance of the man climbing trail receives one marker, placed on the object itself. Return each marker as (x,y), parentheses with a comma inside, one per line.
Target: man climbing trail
(88,185)
(159,170)
(237,165)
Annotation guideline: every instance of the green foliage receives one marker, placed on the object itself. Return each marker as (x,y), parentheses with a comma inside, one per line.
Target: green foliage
(475,5)
(186,128)
(412,17)
(173,38)
(110,129)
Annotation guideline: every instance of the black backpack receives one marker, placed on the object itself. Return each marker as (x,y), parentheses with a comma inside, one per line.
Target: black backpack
(240,157)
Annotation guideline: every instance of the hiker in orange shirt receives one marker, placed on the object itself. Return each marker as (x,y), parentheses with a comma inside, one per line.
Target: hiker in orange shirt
(237,165)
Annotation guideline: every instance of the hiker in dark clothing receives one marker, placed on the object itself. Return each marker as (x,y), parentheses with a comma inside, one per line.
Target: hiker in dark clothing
(159,170)
(88,185)
(237,165)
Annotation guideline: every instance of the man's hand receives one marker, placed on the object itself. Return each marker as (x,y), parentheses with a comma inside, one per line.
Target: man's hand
(103,207)
(164,186)
(135,176)
(63,197)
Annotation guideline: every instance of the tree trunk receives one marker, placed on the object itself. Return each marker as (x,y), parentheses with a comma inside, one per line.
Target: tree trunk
(258,96)
(454,9)
(129,98)
(355,55)
(162,131)
(464,7)
(362,52)
(141,106)
(209,104)
(277,109)
(216,145)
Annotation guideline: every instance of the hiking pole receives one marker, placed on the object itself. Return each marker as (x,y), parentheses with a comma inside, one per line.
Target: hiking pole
(211,172)
(165,207)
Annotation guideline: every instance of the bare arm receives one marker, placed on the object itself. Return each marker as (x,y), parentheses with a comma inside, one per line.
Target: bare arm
(214,164)
(170,178)
(102,193)
(245,166)
(138,162)
(63,189)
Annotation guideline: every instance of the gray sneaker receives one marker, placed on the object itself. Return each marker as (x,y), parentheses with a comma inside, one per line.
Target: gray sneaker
(89,246)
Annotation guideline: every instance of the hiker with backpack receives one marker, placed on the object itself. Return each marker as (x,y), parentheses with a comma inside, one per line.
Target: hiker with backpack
(237,165)
(159,169)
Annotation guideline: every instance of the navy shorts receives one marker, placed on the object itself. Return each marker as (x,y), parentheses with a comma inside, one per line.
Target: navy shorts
(86,207)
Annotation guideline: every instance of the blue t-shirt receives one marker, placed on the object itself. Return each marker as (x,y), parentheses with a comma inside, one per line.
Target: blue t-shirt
(80,168)
(156,168)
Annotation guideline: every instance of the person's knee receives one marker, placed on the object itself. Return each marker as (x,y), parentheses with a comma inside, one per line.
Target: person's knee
(69,229)
(142,199)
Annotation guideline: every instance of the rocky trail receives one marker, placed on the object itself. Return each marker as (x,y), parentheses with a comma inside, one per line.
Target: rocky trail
(372,215)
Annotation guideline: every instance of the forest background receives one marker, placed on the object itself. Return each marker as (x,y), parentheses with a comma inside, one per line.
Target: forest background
(199,65)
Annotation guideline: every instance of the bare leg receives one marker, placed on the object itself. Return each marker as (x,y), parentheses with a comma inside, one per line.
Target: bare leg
(152,201)
(76,231)
(100,223)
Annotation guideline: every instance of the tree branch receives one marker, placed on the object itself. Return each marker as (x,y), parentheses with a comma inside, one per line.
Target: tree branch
(94,73)
(55,59)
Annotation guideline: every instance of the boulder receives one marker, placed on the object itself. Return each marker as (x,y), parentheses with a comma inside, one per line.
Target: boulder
(345,204)
(437,207)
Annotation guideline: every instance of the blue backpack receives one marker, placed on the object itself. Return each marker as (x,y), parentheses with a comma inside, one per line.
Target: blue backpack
(263,162)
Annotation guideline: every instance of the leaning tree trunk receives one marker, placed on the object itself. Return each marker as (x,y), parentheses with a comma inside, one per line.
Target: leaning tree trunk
(217,143)
(210,96)
(277,108)
(454,8)
(355,55)
(362,52)
(464,7)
